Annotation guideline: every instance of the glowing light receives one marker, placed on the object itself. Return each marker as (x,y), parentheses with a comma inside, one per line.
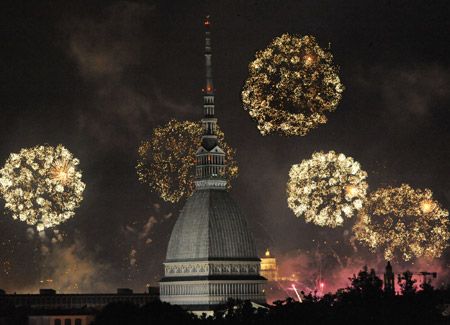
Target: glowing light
(426,206)
(308,59)
(167,159)
(403,222)
(42,185)
(267,253)
(296,292)
(291,85)
(326,188)
(62,171)
(351,190)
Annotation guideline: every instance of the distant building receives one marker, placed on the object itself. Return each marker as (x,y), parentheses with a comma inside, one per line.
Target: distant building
(49,299)
(269,268)
(62,318)
(211,255)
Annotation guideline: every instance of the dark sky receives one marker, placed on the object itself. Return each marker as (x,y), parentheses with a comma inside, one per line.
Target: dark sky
(99,76)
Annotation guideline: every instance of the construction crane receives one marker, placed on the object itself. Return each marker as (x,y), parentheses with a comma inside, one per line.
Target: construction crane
(425,274)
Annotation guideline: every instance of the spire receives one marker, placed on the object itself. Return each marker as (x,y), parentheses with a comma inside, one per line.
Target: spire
(210,167)
(389,266)
(209,87)
(389,287)
(209,139)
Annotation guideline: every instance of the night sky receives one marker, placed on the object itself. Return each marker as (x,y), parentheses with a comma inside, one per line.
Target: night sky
(97,77)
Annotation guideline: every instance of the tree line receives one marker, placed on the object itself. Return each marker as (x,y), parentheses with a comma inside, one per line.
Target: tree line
(363,302)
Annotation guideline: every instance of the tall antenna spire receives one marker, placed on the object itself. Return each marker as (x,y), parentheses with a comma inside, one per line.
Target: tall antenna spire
(209,121)
(210,168)
(209,82)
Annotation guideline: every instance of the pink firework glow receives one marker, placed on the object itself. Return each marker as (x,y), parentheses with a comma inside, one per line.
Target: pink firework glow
(303,273)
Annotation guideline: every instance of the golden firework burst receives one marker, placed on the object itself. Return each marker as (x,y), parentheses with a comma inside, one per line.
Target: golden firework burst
(291,85)
(403,222)
(42,185)
(167,159)
(62,171)
(326,188)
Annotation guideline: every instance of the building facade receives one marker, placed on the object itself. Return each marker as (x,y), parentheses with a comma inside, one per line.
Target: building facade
(211,255)
(49,299)
(269,268)
(61,320)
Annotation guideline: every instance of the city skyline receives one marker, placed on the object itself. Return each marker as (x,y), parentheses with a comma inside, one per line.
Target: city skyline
(100,81)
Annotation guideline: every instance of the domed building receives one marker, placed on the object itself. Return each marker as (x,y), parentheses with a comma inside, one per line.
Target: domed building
(211,255)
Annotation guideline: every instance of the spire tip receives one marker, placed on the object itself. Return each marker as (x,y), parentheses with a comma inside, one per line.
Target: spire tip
(207,22)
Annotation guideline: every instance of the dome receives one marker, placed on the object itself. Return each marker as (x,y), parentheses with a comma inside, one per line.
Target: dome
(210,227)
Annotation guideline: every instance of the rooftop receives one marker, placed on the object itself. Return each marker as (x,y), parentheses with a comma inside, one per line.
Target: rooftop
(211,227)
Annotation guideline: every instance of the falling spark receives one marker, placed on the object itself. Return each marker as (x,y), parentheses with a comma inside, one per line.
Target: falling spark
(296,292)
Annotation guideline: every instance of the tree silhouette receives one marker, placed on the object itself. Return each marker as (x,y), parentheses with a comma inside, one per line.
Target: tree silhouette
(362,302)
(407,283)
(366,285)
(118,313)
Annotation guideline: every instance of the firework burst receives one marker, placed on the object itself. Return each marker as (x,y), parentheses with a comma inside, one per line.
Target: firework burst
(326,188)
(403,221)
(42,185)
(291,85)
(167,160)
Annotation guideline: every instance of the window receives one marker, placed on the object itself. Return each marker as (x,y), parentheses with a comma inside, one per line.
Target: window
(78,321)
(57,322)
(67,321)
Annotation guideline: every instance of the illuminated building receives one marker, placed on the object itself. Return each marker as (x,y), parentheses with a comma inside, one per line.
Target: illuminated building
(211,255)
(269,268)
